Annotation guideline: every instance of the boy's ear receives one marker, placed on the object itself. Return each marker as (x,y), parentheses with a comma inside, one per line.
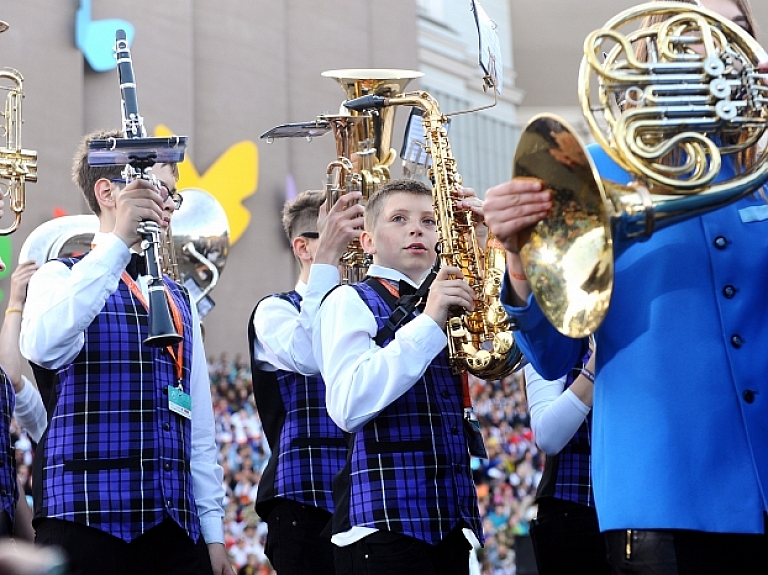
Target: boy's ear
(366,241)
(102,189)
(301,248)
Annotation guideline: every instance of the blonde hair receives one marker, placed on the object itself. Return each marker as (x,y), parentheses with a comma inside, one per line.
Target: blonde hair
(375,204)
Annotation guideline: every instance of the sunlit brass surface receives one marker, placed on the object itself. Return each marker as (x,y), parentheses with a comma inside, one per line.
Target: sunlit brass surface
(373,141)
(200,239)
(363,148)
(17,165)
(480,341)
(668,121)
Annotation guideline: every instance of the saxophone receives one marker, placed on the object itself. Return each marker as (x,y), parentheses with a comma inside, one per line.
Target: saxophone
(479,342)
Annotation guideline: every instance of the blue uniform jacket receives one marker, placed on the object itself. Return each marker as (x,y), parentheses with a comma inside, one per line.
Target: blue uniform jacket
(680,435)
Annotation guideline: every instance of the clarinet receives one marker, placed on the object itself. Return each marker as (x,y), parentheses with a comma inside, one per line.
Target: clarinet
(143,156)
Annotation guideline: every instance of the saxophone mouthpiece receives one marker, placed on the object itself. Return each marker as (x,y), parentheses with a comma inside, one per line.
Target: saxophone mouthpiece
(368,102)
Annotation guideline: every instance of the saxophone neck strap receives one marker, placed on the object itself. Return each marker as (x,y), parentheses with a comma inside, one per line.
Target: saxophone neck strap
(403,307)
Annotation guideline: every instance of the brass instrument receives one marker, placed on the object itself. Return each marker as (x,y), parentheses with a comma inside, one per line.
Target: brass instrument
(371,139)
(480,341)
(17,165)
(668,121)
(200,245)
(363,148)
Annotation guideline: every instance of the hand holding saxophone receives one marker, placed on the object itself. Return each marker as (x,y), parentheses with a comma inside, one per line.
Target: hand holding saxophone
(137,202)
(512,208)
(338,226)
(449,291)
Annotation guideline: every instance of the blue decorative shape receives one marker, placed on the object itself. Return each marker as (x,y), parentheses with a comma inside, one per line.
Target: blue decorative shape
(96,40)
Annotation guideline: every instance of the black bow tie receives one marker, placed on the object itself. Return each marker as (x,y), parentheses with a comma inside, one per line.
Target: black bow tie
(404,288)
(407,293)
(137,266)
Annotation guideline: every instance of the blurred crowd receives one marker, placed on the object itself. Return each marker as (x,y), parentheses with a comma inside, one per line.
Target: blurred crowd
(506,481)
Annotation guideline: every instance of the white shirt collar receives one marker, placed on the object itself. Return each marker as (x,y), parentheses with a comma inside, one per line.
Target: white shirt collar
(301,288)
(378,271)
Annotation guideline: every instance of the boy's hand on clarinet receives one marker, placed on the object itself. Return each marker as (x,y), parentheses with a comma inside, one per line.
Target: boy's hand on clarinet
(338,226)
(449,290)
(139,201)
(512,208)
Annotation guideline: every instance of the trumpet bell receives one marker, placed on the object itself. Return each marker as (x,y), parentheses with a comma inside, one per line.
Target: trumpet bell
(568,257)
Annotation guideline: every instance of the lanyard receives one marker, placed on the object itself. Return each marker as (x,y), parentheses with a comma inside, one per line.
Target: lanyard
(178,357)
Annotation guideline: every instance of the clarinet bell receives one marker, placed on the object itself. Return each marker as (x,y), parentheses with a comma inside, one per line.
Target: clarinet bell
(162,332)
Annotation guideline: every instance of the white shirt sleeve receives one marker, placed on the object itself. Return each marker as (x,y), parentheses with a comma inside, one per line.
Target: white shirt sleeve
(362,378)
(30,411)
(207,474)
(62,302)
(283,335)
(556,415)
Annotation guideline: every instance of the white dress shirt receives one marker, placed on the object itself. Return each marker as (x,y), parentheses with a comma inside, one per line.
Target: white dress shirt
(30,411)
(62,302)
(361,378)
(283,334)
(556,415)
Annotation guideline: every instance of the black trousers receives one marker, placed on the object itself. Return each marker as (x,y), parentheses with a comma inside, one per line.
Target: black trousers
(295,542)
(566,539)
(6,526)
(165,549)
(388,553)
(680,552)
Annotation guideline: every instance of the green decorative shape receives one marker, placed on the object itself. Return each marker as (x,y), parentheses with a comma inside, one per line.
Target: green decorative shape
(6,254)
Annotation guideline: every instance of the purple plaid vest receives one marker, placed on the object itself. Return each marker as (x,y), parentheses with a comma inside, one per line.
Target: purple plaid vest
(9,488)
(308,449)
(409,470)
(567,474)
(114,456)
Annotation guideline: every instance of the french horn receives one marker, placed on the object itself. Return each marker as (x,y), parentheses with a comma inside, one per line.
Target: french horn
(670,120)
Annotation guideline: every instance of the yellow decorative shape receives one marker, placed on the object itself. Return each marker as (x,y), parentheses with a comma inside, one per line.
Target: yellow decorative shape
(233,177)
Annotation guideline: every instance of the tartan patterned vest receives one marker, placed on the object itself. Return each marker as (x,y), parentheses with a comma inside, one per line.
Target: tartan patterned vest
(567,475)
(9,488)
(114,456)
(409,467)
(308,449)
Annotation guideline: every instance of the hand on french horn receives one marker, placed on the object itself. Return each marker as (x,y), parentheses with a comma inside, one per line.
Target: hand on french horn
(137,202)
(512,208)
(338,226)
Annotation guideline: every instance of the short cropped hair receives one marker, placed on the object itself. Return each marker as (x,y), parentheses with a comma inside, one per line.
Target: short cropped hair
(300,214)
(375,204)
(85,176)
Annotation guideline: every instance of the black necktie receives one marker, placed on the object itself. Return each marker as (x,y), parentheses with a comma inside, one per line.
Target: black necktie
(137,266)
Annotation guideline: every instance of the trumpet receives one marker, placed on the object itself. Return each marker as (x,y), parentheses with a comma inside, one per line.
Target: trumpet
(17,165)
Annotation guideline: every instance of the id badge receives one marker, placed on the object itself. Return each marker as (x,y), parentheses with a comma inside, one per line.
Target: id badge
(179,402)
(474,435)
